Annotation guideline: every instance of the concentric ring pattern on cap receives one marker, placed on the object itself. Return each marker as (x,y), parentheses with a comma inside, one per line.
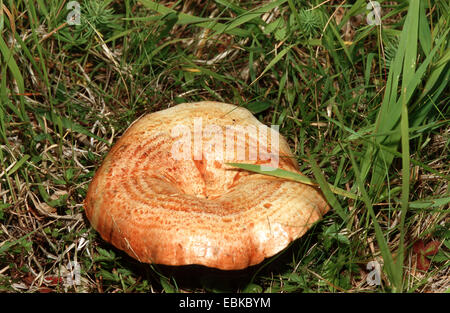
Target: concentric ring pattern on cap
(165,210)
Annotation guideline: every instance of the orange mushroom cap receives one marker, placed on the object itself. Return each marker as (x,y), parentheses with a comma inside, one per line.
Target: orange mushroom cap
(164,193)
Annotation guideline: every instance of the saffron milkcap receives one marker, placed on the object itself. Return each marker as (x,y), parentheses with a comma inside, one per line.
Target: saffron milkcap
(164,193)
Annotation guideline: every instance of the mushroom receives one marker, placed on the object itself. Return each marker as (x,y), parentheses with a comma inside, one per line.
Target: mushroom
(164,193)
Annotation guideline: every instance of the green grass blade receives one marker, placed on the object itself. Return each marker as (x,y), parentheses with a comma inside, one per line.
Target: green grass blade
(274,61)
(64,122)
(292,176)
(389,263)
(248,16)
(429,203)
(184,19)
(424,30)
(18,164)
(404,129)
(325,187)
(15,71)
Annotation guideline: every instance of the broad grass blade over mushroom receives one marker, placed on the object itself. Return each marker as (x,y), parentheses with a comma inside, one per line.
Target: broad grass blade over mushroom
(164,196)
(298,177)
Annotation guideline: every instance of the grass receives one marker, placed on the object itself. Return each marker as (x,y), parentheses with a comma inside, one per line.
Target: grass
(364,108)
